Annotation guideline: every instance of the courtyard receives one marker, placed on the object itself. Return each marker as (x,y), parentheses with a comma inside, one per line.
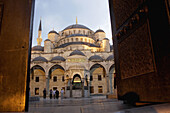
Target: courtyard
(95,104)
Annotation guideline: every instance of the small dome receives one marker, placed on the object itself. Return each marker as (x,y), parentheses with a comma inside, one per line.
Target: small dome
(37,48)
(96,58)
(77,52)
(105,39)
(40,59)
(47,40)
(58,58)
(76,26)
(99,30)
(53,32)
(111,57)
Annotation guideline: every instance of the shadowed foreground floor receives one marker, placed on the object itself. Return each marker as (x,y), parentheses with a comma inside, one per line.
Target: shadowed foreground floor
(92,105)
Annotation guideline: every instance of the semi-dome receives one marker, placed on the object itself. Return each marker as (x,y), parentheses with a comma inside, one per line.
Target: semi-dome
(76,26)
(77,52)
(96,58)
(99,30)
(40,59)
(58,58)
(37,48)
(109,58)
(53,32)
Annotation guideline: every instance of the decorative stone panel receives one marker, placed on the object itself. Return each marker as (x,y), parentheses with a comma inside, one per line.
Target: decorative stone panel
(136,54)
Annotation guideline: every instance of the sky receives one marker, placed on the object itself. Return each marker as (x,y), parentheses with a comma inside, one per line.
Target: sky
(58,14)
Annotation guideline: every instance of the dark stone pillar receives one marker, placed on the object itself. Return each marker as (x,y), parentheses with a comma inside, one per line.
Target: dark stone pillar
(15,37)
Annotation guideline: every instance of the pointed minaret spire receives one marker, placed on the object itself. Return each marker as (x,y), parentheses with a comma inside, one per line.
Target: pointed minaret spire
(39,39)
(76,20)
(40,28)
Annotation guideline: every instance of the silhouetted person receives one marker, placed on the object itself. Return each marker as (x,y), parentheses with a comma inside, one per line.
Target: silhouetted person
(51,93)
(44,93)
(57,93)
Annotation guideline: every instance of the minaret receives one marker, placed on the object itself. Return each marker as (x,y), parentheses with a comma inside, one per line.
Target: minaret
(39,39)
(76,20)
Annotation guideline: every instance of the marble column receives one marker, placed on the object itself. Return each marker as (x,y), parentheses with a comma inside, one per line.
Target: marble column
(110,78)
(107,80)
(70,87)
(88,80)
(82,87)
(47,83)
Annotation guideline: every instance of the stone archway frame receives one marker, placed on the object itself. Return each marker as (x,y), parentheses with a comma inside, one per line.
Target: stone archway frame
(100,65)
(60,67)
(74,73)
(37,65)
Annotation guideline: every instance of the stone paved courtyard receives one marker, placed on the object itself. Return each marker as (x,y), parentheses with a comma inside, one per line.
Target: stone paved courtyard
(78,105)
(92,105)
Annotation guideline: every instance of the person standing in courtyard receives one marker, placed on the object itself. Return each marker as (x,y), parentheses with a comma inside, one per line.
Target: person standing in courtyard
(44,93)
(62,93)
(54,93)
(51,93)
(57,93)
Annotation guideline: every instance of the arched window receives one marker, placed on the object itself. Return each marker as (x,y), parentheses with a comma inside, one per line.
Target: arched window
(72,39)
(74,31)
(77,39)
(54,79)
(67,40)
(84,32)
(63,79)
(81,39)
(79,31)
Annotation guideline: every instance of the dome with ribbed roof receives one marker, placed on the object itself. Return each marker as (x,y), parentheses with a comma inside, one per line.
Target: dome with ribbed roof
(76,26)
(37,48)
(109,58)
(57,58)
(40,59)
(96,58)
(77,52)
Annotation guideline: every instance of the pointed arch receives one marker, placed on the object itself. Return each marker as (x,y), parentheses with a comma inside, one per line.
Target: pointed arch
(53,68)
(34,68)
(96,66)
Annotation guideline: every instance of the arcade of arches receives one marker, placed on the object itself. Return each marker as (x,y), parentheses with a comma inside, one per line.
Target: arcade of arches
(75,82)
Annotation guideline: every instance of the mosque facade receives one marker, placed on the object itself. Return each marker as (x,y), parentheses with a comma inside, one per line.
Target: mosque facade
(76,59)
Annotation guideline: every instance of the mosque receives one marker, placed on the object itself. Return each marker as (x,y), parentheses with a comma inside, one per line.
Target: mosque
(76,59)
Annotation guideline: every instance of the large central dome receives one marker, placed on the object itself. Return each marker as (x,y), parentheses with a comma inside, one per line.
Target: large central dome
(76,26)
